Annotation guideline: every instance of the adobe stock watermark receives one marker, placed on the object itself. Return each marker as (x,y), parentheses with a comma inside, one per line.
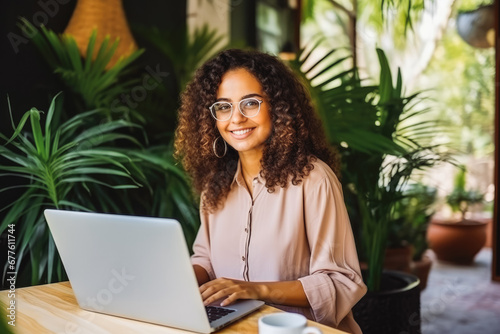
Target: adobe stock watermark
(118,282)
(139,93)
(11,274)
(123,103)
(48,9)
(430,312)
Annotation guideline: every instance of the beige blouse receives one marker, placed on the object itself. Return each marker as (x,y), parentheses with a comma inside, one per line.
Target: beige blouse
(298,232)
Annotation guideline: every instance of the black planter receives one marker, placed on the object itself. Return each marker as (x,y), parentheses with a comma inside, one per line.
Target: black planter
(393,310)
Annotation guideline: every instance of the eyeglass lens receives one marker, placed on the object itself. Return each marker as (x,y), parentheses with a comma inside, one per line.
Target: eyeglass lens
(222,111)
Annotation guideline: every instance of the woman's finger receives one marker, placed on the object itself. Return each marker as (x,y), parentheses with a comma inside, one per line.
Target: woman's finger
(217,295)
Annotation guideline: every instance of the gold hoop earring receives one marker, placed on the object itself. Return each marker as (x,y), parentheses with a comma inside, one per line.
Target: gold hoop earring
(215,150)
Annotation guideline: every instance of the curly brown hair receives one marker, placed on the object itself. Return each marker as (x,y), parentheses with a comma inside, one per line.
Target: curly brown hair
(297,137)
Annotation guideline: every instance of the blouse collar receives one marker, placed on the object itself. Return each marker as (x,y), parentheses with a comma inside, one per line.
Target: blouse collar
(240,180)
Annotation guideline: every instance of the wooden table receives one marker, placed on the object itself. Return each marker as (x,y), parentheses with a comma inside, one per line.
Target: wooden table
(52,308)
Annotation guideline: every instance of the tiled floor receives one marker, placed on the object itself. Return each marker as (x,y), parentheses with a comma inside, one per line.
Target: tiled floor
(461,299)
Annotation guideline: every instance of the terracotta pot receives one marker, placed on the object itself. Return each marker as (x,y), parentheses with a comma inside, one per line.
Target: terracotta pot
(456,242)
(489,230)
(398,258)
(421,269)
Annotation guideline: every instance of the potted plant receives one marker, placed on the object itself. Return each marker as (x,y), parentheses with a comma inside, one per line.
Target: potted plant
(84,155)
(409,232)
(61,161)
(458,240)
(380,148)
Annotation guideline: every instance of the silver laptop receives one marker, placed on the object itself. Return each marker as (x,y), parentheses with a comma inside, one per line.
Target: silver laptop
(135,267)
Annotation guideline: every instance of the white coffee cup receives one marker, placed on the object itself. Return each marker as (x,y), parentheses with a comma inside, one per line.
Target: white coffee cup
(285,323)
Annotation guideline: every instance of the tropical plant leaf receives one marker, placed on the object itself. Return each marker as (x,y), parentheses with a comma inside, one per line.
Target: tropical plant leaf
(381,144)
(58,175)
(184,51)
(89,78)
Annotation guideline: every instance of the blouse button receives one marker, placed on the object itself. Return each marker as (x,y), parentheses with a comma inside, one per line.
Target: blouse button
(243,258)
(246,229)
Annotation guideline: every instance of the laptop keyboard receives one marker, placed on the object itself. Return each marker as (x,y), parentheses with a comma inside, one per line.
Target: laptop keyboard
(215,313)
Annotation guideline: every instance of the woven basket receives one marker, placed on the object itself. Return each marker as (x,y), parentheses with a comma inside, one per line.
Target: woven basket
(108,18)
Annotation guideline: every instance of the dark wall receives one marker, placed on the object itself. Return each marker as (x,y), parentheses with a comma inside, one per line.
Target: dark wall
(25,77)
(243,24)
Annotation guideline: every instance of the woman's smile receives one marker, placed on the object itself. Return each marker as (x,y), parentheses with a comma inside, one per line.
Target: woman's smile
(246,135)
(242,133)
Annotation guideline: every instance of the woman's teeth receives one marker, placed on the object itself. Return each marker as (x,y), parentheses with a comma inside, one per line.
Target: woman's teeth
(241,132)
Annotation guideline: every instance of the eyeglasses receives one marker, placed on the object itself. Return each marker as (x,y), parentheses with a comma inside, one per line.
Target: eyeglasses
(222,111)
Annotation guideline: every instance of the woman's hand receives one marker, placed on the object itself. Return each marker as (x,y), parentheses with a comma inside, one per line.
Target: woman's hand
(231,290)
(289,293)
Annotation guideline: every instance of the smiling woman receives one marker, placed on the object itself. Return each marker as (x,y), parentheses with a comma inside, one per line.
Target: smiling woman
(245,131)
(273,222)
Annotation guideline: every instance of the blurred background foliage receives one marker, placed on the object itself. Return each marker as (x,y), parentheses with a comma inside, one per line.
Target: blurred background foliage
(371,115)
(104,144)
(464,97)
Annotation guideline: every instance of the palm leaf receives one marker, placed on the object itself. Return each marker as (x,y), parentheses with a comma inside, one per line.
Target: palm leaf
(88,77)
(58,177)
(339,107)
(369,124)
(185,52)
